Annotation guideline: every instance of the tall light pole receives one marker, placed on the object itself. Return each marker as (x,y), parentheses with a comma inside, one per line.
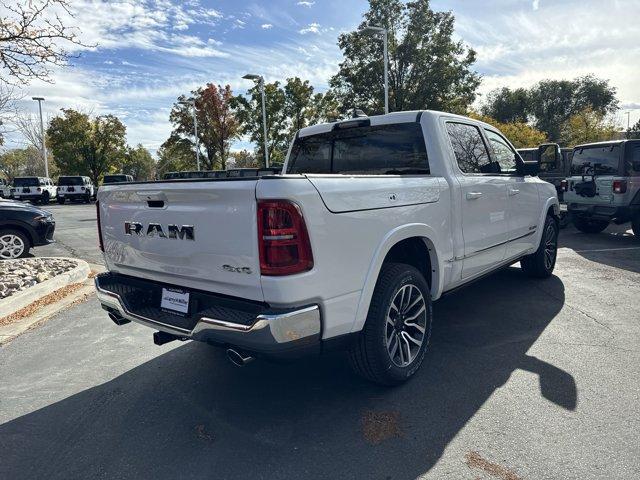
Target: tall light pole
(375,30)
(628,113)
(192,103)
(260,80)
(44,147)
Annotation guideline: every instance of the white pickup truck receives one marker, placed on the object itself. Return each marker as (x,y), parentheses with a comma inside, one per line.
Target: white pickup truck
(371,220)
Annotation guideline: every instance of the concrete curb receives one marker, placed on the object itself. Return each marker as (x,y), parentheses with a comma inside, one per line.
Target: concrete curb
(20,300)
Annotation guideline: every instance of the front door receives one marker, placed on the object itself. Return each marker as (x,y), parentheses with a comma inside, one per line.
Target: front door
(523,204)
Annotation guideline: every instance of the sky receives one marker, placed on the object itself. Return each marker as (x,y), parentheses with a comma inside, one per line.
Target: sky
(146,53)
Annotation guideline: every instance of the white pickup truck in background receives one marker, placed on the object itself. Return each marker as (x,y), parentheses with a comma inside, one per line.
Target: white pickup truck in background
(371,220)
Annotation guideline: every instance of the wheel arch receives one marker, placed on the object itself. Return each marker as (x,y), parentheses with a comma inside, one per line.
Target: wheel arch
(400,245)
(20,227)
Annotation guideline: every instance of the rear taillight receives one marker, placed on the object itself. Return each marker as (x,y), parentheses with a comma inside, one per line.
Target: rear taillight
(619,186)
(100,244)
(564,185)
(283,239)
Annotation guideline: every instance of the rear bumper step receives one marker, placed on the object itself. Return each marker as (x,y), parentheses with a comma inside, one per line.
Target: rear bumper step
(219,320)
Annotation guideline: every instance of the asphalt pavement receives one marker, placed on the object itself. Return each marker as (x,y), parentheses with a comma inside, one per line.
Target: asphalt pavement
(524,379)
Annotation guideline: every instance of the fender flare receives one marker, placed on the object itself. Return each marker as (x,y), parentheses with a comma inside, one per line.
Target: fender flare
(396,235)
(550,202)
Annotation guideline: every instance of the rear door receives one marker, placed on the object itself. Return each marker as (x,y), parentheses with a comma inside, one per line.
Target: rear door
(484,200)
(593,171)
(199,234)
(523,209)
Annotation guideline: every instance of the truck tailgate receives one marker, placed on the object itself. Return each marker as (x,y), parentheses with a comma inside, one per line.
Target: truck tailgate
(200,234)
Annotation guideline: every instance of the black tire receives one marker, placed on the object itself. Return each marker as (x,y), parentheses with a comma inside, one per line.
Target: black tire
(586,225)
(541,263)
(87,199)
(635,226)
(45,198)
(564,220)
(16,233)
(61,200)
(369,355)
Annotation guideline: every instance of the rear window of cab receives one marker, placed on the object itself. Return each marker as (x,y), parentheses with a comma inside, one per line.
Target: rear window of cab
(396,149)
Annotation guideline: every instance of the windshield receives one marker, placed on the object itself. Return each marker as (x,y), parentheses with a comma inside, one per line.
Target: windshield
(70,181)
(596,160)
(114,178)
(26,182)
(374,150)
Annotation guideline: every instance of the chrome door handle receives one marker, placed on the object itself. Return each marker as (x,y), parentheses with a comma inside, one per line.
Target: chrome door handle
(513,191)
(473,195)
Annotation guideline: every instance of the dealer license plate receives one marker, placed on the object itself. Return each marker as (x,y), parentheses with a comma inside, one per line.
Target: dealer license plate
(175,300)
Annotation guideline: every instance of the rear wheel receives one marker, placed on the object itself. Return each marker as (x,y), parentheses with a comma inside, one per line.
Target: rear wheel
(13,244)
(87,198)
(45,198)
(586,225)
(392,345)
(541,263)
(61,200)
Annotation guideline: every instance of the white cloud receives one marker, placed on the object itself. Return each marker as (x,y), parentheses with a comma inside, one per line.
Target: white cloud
(311,28)
(305,3)
(536,4)
(267,26)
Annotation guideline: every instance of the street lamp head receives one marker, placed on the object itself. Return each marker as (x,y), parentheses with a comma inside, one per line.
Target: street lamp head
(373,29)
(253,76)
(38,98)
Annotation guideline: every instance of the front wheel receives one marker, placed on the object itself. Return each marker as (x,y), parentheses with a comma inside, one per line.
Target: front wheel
(541,263)
(589,226)
(392,345)
(61,200)
(13,244)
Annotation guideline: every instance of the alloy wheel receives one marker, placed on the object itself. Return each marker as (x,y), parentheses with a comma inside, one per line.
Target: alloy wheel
(550,246)
(406,325)
(11,246)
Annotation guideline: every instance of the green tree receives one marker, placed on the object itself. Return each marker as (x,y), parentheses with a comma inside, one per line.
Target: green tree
(249,112)
(244,159)
(20,161)
(175,155)
(506,105)
(138,163)
(553,102)
(427,67)
(587,126)
(634,131)
(217,123)
(86,146)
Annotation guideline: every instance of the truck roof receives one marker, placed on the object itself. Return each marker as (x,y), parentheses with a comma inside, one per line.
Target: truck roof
(389,118)
(608,142)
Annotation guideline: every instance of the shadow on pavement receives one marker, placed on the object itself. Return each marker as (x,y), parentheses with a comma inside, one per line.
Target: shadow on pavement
(616,246)
(190,414)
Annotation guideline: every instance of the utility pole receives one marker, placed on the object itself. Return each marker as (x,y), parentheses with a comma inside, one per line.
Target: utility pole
(375,30)
(192,103)
(260,80)
(44,147)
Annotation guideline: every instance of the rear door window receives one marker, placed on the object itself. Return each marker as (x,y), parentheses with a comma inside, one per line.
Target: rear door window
(469,149)
(395,149)
(633,159)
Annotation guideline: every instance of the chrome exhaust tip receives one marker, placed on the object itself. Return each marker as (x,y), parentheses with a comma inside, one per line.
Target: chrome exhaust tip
(238,358)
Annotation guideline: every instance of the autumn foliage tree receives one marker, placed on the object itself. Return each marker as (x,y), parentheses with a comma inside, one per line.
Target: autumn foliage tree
(217,123)
(520,134)
(34,38)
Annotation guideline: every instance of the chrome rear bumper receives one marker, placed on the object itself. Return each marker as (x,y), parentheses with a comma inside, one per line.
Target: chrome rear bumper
(273,331)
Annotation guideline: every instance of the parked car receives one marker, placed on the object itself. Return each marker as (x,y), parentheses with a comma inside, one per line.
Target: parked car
(75,188)
(37,189)
(555,165)
(604,185)
(374,219)
(116,178)
(5,189)
(252,172)
(23,226)
(195,174)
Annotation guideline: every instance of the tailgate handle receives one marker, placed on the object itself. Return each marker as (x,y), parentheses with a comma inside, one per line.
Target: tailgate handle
(153,199)
(155,203)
